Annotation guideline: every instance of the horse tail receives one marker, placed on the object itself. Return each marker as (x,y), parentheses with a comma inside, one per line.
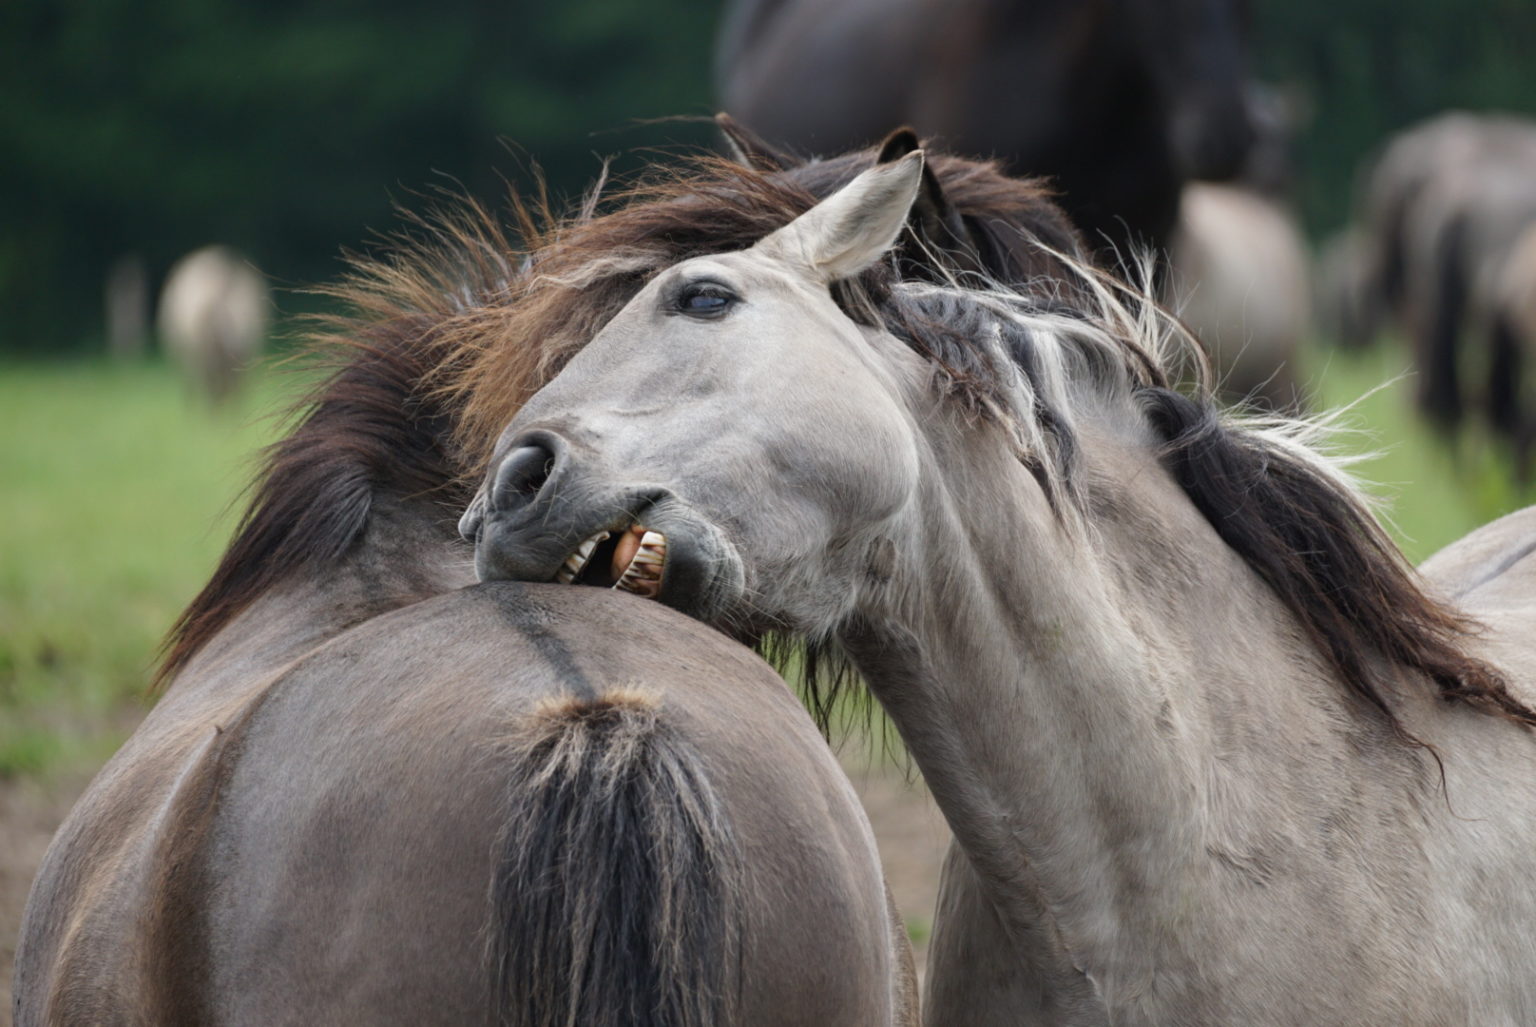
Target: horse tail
(616,895)
(1439,328)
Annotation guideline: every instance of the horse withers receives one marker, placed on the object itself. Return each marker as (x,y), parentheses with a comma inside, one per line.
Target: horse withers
(371,795)
(1212,753)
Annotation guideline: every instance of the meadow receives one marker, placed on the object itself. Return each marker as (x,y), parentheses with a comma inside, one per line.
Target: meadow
(118,491)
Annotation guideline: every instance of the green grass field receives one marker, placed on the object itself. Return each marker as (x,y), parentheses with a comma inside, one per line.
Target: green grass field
(114,505)
(115,493)
(1433,493)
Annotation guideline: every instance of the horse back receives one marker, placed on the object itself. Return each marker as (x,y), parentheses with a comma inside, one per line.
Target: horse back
(1491,574)
(337,848)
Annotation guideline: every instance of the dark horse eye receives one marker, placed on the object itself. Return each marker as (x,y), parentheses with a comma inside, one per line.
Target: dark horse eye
(704,299)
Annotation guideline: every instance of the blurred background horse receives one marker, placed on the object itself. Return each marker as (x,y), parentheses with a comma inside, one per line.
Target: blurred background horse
(1117,102)
(1438,256)
(214,312)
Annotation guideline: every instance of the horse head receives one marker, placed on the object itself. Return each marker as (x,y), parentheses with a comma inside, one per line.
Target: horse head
(636,466)
(1196,54)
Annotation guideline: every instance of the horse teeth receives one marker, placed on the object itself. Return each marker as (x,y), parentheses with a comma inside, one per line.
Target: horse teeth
(643,575)
(577,562)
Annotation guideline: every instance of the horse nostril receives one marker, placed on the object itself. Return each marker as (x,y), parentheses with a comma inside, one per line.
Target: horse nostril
(469,524)
(520,476)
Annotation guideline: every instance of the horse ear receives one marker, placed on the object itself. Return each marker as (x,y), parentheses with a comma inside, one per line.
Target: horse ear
(897,145)
(855,226)
(749,149)
(937,241)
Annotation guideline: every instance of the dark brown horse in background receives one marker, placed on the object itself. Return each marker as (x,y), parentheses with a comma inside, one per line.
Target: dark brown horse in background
(1119,102)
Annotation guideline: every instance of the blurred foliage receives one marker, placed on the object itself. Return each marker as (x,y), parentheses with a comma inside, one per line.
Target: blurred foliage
(286,129)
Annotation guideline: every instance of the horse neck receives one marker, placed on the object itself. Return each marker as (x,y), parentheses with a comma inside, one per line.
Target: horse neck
(407,552)
(1073,695)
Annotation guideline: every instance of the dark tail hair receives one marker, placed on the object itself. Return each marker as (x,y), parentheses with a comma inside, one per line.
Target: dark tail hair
(1504,372)
(616,900)
(1439,330)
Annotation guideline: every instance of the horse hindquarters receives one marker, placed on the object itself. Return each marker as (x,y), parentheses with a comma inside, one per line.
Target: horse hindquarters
(576,848)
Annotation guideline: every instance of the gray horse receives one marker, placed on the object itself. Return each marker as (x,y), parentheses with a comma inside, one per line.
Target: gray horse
(214,312)
(1211,752)
(371,796)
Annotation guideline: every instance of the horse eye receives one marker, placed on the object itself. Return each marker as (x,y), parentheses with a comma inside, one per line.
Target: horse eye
(704,299)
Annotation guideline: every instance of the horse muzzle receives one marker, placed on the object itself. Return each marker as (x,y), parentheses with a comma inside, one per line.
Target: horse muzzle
(541,516)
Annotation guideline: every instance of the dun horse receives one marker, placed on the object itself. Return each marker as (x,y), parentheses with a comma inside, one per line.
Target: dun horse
(1211,752)
(1442,212)
(1239,279)
(1119,102)
(213,319)
(369,795)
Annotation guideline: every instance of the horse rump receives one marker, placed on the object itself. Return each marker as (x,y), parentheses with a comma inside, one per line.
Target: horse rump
(616,897)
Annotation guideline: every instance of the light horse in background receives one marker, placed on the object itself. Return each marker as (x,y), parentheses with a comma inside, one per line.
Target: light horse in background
(214,312)
(1239,278)
(1442,211)
(1212,753)
(370,794)
(1513,316)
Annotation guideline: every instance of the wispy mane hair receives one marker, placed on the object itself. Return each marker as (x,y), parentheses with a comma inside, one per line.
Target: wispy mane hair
(462,315)
(1287,509)
(367,427)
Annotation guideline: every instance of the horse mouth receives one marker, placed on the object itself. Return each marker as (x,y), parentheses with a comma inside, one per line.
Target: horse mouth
(633,560)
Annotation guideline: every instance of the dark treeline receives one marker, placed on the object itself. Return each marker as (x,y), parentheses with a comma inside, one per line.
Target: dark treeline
(287,129)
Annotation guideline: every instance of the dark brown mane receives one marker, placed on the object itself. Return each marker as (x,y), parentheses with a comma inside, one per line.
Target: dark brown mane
(367,428)
(1322,552)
